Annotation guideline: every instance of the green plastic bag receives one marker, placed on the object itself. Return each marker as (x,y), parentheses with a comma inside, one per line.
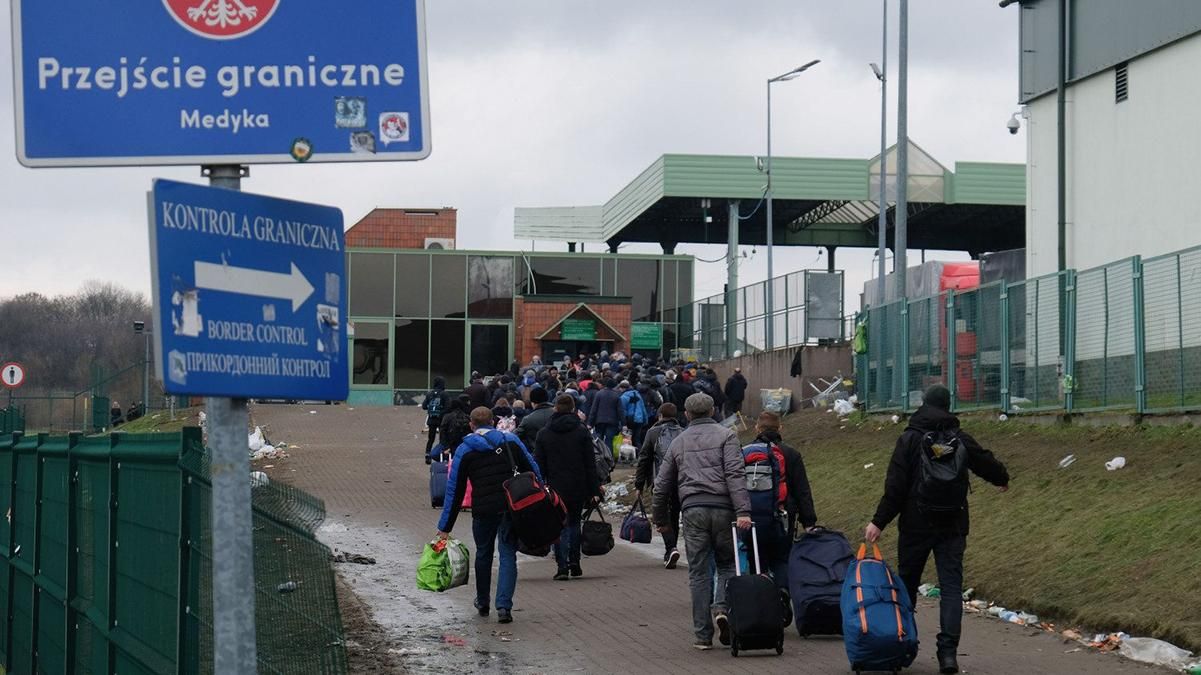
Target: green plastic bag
(859,342)
(444,565)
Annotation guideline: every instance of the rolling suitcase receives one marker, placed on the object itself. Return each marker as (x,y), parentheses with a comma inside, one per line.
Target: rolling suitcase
(755,614)
(438,470)
(878,626)
(817,568)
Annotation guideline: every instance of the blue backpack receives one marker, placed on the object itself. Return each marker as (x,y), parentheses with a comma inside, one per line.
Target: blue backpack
(634,408)
(765,482)
(878,626)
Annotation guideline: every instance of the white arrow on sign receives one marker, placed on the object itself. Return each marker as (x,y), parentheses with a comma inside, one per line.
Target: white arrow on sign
(245,281)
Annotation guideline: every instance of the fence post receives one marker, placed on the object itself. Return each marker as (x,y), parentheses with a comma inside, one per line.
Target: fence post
(1004,344)
(1068,306)
(70,586)
(949,326)
(902,358)
(1140,338)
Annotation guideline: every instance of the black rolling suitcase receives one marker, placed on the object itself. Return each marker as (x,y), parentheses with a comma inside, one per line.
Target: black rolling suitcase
(755,613)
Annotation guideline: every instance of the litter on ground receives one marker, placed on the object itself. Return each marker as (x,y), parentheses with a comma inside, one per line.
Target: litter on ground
(1115,463)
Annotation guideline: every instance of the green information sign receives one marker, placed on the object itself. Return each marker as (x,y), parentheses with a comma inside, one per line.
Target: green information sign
(578,329)
(646,336)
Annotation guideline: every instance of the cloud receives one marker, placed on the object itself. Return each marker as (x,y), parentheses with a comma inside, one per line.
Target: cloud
(546,102)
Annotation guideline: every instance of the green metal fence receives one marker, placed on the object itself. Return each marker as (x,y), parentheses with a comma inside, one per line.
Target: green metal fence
(11,420)
(106,565)
(1123,336)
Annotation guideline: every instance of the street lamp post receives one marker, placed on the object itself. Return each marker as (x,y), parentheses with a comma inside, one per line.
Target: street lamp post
(769,333)
(882,224)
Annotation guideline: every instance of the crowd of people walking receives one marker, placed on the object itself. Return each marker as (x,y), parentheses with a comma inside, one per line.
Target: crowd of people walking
(550,419)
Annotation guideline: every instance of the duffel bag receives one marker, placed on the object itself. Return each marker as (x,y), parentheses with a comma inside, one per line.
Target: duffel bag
(636,528)
(538,513)
(878,626)
(596,536)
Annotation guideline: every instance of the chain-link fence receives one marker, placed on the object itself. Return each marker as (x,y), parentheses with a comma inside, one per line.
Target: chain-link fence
(106,563)
(1123,336)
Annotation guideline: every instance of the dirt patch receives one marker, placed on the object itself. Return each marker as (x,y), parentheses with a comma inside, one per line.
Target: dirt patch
(367,643)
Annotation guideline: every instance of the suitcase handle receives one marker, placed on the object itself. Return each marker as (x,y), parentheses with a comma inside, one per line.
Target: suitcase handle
(754,548)
(863,552)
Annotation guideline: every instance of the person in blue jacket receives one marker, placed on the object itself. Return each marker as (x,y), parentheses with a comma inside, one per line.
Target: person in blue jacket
(477,460)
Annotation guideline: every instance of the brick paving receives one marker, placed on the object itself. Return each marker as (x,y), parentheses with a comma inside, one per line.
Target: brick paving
(627,614)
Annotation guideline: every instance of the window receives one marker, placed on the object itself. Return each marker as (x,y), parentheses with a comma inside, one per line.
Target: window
(447,348)
(1121,82)
(639,280)
(412,285)
(490,287)
(448,286)
(371,284)
(370,354)
(562,276)
(411,355)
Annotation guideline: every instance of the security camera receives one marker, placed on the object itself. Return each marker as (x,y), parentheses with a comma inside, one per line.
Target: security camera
(759,163)
(139,326)
(1014,125)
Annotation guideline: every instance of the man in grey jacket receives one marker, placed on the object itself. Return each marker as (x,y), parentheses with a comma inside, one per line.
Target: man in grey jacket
(704,471)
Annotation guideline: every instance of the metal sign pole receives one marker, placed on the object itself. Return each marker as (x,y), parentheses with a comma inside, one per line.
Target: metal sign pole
(233,543)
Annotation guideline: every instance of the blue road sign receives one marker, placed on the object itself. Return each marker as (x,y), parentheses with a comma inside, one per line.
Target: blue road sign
(249,294)
(158,82)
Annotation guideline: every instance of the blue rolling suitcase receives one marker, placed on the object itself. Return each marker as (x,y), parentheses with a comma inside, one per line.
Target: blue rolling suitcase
(878,626)
(438,470)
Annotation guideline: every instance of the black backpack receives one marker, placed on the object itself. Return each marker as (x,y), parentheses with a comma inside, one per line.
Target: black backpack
(435,405)
(942,484)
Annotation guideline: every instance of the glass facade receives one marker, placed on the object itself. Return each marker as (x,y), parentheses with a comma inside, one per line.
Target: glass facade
(420,314)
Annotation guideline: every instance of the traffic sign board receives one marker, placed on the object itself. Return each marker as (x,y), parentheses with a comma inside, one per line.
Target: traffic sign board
(249,294)
(12,375)
(219,82)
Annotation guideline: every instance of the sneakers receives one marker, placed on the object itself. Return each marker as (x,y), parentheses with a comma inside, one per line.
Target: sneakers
(576,571)
(723,629)
(504,616)
(561,575)
(671,560)
(703,645)
(482,610)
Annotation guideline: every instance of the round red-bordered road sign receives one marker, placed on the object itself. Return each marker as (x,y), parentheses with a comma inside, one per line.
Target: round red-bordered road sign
(12,375)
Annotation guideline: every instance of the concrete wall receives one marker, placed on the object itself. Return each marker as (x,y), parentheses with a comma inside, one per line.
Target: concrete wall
(770,370)
(1131,166)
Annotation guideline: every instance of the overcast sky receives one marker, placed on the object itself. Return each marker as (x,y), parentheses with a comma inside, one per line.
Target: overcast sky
(563,102)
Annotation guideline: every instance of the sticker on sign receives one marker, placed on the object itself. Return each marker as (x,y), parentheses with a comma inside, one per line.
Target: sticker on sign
(249,299)
(219,82)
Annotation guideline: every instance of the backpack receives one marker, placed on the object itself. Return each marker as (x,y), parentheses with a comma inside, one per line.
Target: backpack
(765,479)
(663,442)
(633,406)
(942,484)
(507,424)
(435,404)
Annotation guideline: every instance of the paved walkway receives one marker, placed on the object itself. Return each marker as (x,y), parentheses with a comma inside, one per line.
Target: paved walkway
(627,614)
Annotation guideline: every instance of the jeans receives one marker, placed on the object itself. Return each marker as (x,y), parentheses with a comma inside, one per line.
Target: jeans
(433,425)
(774,548)
(607,432)
(914,550)
(671,538)
(707,532)
(567,551)
(491,531)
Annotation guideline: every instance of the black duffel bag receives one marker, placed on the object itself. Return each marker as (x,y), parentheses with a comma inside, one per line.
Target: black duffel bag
(596,536)
(538,513)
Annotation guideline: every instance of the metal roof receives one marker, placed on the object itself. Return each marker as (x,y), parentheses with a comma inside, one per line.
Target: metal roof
(977,207)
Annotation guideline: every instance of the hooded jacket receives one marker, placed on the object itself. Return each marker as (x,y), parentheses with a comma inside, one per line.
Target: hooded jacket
(477,459)
(563,450)
(904,469)
(736,388)
(704,467)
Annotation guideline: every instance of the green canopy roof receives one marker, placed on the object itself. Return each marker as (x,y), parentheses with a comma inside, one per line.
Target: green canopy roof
(978,207)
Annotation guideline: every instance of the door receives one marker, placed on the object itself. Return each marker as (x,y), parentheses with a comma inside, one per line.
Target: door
(488,348)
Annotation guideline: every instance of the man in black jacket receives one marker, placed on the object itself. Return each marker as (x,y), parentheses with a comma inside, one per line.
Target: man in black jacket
(605,414)
(477,393)
(653,451)
(735,392)
(800,495)
(435,405)
(564,451)
(922,530)
(536,419)
(680,391)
